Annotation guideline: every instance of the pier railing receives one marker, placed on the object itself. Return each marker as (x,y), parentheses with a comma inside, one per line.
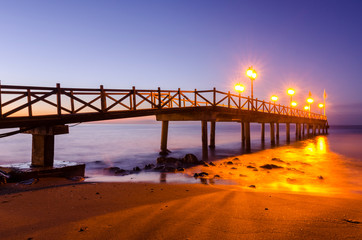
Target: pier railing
(28,101)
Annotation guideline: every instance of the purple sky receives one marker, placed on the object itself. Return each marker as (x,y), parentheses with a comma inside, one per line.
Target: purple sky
(308,45)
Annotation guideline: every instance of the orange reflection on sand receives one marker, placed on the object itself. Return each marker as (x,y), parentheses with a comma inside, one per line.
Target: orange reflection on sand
(304,167)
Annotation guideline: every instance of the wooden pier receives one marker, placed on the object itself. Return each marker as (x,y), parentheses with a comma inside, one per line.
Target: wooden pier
(45,112)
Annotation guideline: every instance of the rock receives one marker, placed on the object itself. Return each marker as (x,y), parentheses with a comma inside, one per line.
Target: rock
(201,174)
(180,169)
(242,175)
(320,177)
(111,169)
(30,181)
(255,170)
(250,166)
(204,163)
(236,159)
(136,169)
(211,164)
(121,171)
(149,166)
(291,180)
(229,163)
(270,166)
(233,168)
(164,160)
(277,160)
(76,178)
(351,221)
(266,208)
(82,229)
(216,176)
(252,186)
(190,159)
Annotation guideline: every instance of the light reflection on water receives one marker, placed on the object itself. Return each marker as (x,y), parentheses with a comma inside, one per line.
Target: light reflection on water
(336,157)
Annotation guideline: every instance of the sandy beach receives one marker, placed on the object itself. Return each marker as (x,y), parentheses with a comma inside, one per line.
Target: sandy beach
(62,209)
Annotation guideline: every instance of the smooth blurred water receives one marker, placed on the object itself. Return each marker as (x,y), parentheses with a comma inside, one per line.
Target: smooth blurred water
(130,145)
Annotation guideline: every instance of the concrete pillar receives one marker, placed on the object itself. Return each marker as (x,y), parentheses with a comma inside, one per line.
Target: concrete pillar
(43,144)
(308,130)
(319,129)
(277,132)
(326,126)
(296,131)
(212,135)
(164,135)
(205,151)
(247,136)
(303,130)
(42,151)
(272,135)
(300,131)
(288,131)
(263,132)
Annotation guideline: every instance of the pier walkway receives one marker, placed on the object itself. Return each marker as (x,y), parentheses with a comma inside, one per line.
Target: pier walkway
(45,112)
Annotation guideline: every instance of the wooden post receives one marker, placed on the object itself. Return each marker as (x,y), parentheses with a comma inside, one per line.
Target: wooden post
(179,98)
(212,135)
(103,99)
(59,104)
(159,97)
(72,102)
(319,129)
(30,112)
(288,132)
(214,99)
(262,132)
(314,130)
(164,135)
(272,134)
(195,97)
(205,151)
(308,130)
(299,131)
(134,97)
(247,136)
(277,132)
(296,131)
(303,130)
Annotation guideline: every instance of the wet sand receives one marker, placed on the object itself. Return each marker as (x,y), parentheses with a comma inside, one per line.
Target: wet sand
(61,209)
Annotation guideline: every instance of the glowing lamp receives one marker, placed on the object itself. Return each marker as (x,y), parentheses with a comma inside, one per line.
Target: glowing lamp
(293,104)
(306,108)
(310,100)
(239,88)
(274,98)
(290,91)
(251,73)
(320,105)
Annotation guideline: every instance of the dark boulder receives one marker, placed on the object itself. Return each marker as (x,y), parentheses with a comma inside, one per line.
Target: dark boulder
(190,159)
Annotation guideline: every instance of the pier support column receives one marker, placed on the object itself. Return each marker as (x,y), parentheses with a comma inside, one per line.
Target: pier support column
(43,144)
(205,150)
(277,132)
(212,135)
(247,136)
(319,129)
(299,131)
(314,130)
(288,131)
(303,129)
(164,134)
(308,130)
(242,134)
(272,135)
(263,132)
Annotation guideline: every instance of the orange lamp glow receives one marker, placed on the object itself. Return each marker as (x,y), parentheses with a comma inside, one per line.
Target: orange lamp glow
(293,104)
(251,73)
(274,98)
(239,87)
(290,91)
(306,108)
(310,100)
(320,105)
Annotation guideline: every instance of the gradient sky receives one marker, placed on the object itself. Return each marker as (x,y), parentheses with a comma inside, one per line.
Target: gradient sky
(308,45)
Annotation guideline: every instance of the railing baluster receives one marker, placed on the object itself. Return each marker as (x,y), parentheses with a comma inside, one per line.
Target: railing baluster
(228,99)
(179,98)
(159,97)
(71,101)
(59,104)
(195,97)
(134,97)
(103,100)
(214,102)
(30,111)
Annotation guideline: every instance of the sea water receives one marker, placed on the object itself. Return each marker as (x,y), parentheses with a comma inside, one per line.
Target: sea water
(129,145)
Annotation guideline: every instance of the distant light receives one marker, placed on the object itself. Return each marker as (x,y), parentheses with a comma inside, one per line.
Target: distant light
(290,91)
(310,100)
(274,98)
(320,105)
(294,104)
(306,108)
(239,87)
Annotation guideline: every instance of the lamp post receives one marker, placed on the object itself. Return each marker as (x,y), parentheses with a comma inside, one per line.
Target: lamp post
(310,101)
(239,88)
(251,73)
(321,105)
(274,99)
